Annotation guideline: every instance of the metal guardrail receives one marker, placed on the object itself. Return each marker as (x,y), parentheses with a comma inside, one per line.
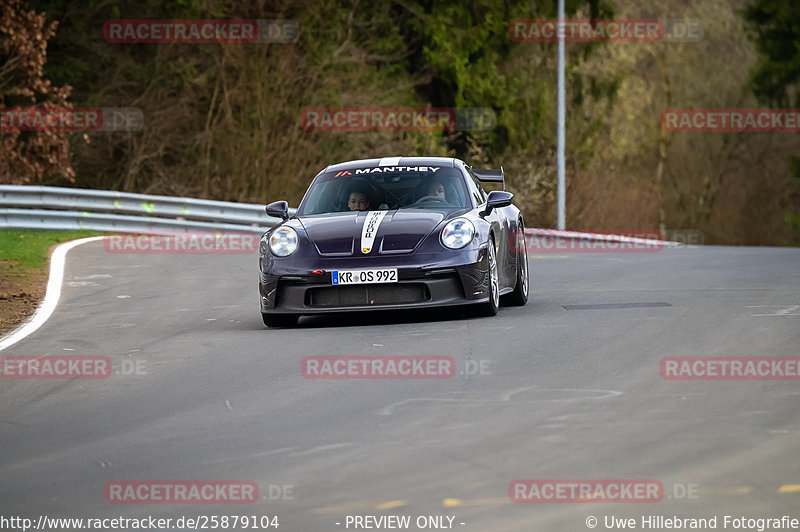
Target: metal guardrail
(36,207)
(56,208)
(120,223)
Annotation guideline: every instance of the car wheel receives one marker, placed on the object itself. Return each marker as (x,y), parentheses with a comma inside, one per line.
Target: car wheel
(520,294)
(490,307)
(280,320)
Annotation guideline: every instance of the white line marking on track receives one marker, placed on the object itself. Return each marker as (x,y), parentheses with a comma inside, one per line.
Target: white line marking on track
(508,397)
(226,459)
(81,283)
(790,310)
(322,448)
(273,451)
(57,261)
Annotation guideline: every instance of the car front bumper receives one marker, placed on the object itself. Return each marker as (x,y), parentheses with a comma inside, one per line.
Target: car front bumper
(289,286)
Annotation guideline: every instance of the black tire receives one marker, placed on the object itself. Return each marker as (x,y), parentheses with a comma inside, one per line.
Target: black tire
(519,296)
(280,320)
(490,307)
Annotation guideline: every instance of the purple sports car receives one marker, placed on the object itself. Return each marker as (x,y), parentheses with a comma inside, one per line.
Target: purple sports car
(394,233)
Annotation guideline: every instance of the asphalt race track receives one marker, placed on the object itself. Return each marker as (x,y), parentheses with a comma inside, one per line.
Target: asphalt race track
(567,387)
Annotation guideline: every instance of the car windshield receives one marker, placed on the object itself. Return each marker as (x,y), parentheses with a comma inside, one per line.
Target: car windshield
(381,188)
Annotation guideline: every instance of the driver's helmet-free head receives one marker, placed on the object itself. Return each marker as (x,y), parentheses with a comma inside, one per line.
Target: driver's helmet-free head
(358,197)
(436,188)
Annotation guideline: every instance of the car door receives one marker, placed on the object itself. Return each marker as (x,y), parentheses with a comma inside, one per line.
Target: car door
(501,226)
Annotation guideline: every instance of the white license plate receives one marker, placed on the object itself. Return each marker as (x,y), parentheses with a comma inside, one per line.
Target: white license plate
(371,276)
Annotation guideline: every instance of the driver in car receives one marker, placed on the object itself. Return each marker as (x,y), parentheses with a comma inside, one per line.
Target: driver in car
(436,188)
(358,199)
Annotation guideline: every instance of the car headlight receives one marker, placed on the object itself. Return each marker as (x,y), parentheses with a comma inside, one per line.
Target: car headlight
(283,242)
(458,233)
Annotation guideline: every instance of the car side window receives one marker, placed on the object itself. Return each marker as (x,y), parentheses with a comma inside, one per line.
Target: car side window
(475,188)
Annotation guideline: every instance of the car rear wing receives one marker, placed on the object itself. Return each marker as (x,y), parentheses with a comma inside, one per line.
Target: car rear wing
(490,176)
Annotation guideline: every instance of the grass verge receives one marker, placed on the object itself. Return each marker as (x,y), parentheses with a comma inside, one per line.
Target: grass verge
(24,271)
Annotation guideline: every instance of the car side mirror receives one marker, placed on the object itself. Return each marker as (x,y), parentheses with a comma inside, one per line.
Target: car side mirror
(278,209)
(497,198)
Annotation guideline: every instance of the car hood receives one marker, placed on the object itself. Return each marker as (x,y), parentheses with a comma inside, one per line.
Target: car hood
(398,231)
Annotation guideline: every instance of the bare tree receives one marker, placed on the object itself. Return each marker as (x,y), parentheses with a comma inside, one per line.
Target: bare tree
(29,156)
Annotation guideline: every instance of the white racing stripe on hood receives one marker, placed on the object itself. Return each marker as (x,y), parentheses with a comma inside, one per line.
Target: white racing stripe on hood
(370,228)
